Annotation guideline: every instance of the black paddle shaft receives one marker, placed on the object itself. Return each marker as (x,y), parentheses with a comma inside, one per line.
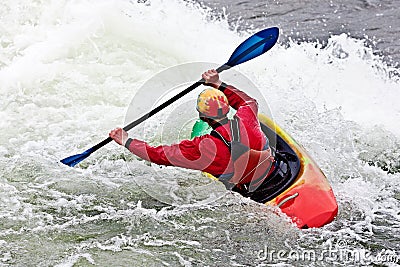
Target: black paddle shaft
(159,108)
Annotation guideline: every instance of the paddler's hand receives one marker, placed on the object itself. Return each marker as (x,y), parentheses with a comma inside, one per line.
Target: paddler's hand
(211,77)
(119,135)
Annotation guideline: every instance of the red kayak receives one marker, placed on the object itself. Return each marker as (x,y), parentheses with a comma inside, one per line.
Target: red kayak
(306,196)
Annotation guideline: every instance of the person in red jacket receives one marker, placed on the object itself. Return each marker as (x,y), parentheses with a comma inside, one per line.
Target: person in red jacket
(210,153)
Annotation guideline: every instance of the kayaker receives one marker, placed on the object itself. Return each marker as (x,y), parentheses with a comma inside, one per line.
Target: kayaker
(251,162)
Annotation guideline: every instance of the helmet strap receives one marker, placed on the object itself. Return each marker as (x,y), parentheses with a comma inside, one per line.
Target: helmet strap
(214,123)
(220,114)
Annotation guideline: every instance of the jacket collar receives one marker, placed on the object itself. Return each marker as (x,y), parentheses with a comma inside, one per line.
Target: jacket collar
(217,124)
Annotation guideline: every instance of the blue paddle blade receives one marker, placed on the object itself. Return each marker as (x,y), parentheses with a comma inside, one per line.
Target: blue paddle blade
(254,46)
(75,159)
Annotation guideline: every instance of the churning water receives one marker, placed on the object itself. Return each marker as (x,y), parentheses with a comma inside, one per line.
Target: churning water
(68,71)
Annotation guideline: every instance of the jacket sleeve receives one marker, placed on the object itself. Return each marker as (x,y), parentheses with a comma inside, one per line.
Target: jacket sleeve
(238,98)
(194,154)
(247,111)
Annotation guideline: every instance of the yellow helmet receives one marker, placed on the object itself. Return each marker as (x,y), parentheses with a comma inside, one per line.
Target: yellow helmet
(212,103)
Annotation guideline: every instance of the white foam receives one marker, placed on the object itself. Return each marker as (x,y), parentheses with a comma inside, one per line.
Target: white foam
(68,70)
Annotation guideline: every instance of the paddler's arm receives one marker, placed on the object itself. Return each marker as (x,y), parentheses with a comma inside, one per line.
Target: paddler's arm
(246,106)
(186,154)
(235,97)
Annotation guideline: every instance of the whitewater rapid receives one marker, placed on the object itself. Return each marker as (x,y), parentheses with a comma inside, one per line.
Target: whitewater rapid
(68,72)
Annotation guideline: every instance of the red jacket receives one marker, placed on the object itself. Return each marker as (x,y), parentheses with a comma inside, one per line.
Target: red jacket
(208,153)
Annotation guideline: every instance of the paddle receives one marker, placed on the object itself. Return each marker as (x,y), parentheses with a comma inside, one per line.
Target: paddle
(252,47)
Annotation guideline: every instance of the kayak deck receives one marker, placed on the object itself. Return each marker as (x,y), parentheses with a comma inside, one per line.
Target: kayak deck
(309,201)
(306,197)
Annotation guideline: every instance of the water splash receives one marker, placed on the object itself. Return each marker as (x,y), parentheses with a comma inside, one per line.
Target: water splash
(67,73)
